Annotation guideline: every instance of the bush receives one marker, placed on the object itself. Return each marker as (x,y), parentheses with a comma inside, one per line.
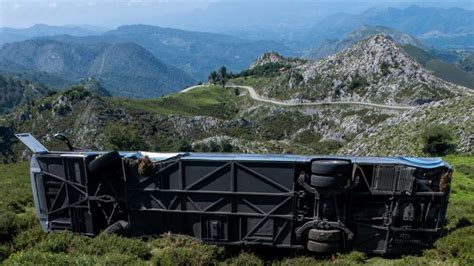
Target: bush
(67,242)
(437,141)
(227,146)
(306,261)
(183,250)
(122,138)
(4,252)
(28,238)
(357,82)
(183,145)
(8,226)
(32,257)
(245,259)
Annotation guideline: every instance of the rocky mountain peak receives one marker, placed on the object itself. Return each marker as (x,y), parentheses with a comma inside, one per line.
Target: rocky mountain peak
(329,47)
(373,70)
(269,57)
(376,55)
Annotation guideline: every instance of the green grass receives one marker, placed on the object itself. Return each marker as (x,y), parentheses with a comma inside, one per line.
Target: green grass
(23,243)
(211,101)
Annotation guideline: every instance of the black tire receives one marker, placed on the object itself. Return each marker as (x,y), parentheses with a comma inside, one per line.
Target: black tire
(325,235)
(331,167)
(319,247)
(119,228)
(328,181)
(106,162)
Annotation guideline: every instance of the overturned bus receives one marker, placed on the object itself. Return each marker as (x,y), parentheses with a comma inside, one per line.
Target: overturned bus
(324,204)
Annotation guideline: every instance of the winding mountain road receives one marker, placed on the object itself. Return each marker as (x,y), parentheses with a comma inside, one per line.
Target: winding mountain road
(256,97)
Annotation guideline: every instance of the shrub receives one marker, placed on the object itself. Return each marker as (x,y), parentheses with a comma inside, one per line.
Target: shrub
(357,82)
(226,146)
(306,261)
(105,244)
(8,226)
(120,137)
(183,145)
(4,252)
(384,67)
(437,141)
(67,242)
(33,257)
(183,250)
(28,238)
(245,259)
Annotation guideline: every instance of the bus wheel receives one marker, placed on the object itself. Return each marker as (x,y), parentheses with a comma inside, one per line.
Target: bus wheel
(320,247)
(323,235)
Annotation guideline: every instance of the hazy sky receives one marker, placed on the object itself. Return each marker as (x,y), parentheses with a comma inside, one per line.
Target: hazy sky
(188,14)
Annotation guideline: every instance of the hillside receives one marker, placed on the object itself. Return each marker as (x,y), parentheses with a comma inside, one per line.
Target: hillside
(14,92)
(373,70)
(446,71)
(196,53)
(400,135)
(210,118)
(125,69)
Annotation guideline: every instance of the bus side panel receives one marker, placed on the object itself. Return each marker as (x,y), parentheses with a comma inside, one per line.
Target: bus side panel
(216,201)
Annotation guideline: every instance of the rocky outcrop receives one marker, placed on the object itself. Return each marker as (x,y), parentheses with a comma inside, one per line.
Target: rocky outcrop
(273,57)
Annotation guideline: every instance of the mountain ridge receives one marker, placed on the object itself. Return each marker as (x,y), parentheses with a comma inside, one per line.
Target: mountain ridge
(125,69)
(196,53)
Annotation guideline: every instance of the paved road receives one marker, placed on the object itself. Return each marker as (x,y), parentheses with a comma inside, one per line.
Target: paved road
(256,97)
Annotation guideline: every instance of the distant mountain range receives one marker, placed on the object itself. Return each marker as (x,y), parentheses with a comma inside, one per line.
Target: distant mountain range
(149,61)
(124,69)
(436,27)
(196,53)
(15,35)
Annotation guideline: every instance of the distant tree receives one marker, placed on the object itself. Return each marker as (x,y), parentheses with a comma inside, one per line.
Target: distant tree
(437,141)
(120,137)
(223,75)
(213,77)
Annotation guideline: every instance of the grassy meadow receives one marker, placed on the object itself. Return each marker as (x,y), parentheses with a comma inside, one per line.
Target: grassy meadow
(23,243)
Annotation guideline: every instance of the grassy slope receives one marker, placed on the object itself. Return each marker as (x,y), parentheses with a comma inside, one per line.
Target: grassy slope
(446,71)
(212,101)
(22,242)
